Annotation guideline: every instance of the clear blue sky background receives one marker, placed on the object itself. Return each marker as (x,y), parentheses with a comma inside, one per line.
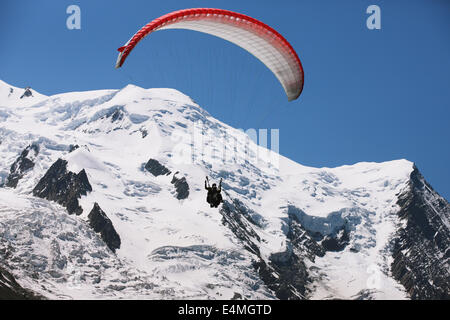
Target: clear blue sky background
(369,95)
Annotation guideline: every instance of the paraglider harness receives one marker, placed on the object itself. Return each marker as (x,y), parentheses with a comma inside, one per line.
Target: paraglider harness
(214,197)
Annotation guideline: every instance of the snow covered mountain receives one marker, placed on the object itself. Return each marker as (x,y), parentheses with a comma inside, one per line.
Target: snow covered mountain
(102,196)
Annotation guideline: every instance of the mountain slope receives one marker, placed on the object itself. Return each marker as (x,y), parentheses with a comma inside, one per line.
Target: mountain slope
(284,230)
(421,246)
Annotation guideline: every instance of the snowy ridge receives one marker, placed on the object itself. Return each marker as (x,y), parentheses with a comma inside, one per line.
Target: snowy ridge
(174,248)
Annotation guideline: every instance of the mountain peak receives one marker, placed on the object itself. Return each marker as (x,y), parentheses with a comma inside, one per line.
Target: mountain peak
(134,91)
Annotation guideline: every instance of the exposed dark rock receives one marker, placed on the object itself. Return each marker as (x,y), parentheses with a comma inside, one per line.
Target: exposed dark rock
(156,168)
(337,242)
(27,93)
(332,232)
(236,296)
(64,187)
(181,187)
(144,132)
(117,115)
(73,147)
(302,243)
(22,164)
(11,290)
(241,227)
(421,249)
(365,294)
(285,273)
(251,216)
(103,225)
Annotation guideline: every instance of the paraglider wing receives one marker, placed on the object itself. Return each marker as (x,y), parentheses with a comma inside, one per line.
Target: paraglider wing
(259,39)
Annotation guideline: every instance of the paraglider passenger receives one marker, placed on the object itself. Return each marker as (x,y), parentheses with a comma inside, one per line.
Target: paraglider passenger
(214,197)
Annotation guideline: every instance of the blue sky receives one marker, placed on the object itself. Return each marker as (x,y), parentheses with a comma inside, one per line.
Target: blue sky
(369,95)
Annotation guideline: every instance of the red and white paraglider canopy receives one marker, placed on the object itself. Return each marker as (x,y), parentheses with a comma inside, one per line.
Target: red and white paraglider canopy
(259,39)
